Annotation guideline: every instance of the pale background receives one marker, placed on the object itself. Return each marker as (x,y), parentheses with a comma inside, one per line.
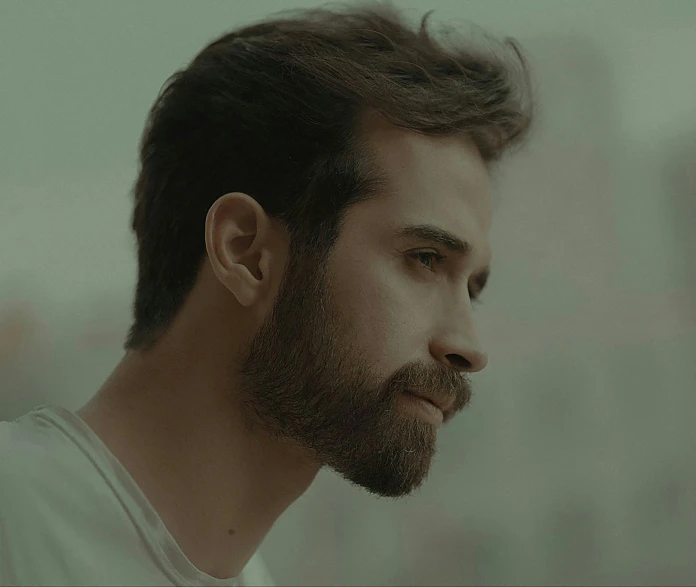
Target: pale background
(575,462)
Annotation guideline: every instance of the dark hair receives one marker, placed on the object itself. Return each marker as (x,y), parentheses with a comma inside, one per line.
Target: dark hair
(272,110)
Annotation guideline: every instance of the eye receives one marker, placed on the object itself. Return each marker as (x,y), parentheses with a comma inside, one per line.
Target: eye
(433,257)
(428,255)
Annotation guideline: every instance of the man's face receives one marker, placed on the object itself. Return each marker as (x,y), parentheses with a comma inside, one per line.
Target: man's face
(331,365)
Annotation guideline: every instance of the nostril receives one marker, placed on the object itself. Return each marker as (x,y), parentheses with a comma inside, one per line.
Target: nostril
(458,361)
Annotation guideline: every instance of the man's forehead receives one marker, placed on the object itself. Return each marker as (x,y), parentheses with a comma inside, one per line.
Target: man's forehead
(431,180)
(413,163)
(445,199)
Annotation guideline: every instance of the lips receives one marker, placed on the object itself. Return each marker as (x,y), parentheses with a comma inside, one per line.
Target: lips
(440,401)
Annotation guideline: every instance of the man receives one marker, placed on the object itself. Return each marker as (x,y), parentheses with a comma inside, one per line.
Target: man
(312,213)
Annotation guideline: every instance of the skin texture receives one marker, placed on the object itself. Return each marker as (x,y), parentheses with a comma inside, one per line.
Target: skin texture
(274,369)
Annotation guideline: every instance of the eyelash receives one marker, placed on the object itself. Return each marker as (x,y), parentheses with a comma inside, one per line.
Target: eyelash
(419,254)
(438,259)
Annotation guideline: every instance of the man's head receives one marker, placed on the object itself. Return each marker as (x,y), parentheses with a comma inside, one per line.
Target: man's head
(289,178)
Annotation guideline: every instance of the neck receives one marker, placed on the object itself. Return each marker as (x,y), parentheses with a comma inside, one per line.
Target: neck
(216,485)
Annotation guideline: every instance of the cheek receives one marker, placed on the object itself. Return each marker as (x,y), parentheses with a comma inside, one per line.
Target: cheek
(382,320)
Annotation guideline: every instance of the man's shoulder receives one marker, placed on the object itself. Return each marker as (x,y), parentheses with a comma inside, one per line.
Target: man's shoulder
(256,573)
(34,464)
(22,456)
(21,501)
(21,445)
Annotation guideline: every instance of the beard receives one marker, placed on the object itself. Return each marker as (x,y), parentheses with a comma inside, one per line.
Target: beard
(304,380)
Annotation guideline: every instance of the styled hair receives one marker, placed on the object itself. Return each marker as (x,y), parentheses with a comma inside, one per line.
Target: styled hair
(273,110)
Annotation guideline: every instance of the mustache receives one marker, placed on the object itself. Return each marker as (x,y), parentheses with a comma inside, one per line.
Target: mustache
(436,381)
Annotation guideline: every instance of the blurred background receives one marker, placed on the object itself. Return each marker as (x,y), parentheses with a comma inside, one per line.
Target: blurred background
(575,463)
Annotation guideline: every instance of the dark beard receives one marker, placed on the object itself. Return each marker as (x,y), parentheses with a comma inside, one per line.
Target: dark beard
(303,381)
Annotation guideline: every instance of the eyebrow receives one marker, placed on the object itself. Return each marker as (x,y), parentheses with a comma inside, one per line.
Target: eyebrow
(454,244)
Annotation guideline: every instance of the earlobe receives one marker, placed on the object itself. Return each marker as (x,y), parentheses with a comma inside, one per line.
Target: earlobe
(243,285)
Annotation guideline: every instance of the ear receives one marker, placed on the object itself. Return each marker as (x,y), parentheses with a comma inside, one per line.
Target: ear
(238,243)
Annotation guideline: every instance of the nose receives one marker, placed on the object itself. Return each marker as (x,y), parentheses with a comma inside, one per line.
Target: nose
(460,355)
